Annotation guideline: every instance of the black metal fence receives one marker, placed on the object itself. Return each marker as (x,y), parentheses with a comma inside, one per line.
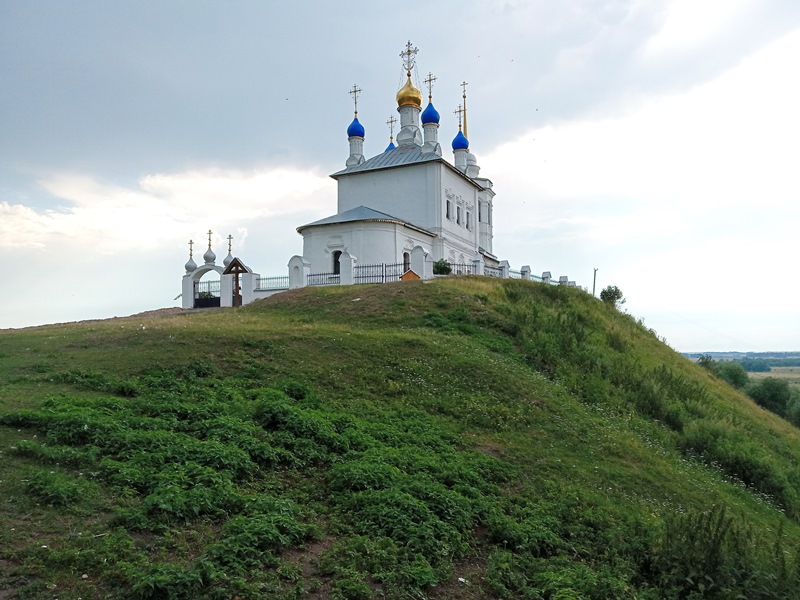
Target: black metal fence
(378,273)
(462,268)
(207,289)
(324,278)
(206,294)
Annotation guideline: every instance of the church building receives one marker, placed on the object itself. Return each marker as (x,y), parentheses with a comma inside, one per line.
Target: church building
(408,196)
(398,214)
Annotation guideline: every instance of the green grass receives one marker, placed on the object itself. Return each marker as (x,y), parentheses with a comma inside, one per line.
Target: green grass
(463,438)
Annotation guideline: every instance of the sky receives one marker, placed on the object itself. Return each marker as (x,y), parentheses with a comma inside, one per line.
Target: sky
(653,140)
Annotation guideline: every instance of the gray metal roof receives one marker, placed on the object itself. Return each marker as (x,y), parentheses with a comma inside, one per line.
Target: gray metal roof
(362,213)
(402,155)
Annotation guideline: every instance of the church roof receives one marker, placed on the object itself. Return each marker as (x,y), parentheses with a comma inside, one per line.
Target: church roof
(400,156)
(362,213)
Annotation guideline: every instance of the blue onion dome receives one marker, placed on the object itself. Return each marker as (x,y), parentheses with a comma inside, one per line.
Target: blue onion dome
(356,129)
(430,115)
(391,146)
(460,142)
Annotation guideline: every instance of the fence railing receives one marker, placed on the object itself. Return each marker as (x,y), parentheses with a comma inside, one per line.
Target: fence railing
(207,288)
(280,282)
(378,273)
(492,271)
(324,278)
(513,274)
(462,268)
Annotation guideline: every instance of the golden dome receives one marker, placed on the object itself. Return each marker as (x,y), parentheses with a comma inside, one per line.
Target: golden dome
(409,95)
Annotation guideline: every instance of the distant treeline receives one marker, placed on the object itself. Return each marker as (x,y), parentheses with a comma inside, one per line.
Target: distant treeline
(764,365)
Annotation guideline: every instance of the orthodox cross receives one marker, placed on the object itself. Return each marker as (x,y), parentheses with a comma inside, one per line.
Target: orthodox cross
(459,111)
(429,82)
(191,243)
(230,239)
(391,123)
(408,57)
(464,96)
(209,239)
(354,93)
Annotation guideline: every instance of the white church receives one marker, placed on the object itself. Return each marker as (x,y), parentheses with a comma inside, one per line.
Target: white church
(407,213)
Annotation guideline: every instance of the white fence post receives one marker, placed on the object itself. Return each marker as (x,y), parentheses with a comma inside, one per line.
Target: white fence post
(421,263)
(299,270)
(525,272)
(347,265)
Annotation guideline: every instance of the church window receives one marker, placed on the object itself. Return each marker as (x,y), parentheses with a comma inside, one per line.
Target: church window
(458,215)
(406,262)
(448,214)
(469,225)
(480,219)
(337,267)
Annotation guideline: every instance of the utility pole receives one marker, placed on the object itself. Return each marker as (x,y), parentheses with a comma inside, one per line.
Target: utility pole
(594,280)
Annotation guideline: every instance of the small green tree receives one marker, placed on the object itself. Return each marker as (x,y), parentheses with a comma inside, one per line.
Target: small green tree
(771,393)
(442,267)
(612,295)
(708,363)
(733,373)
(793,408)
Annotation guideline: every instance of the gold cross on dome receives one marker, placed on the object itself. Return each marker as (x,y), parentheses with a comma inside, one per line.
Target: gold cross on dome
(230,239)
(354,92)
(408,56)
(429,82)
(391,123)
(191,243)
(459,111)
(209,239)
(464,96)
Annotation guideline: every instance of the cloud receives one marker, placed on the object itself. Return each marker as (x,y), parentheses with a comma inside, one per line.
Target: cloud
(690,24)
(113,218)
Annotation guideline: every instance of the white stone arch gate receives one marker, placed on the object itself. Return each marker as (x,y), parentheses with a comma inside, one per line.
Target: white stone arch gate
(189,287)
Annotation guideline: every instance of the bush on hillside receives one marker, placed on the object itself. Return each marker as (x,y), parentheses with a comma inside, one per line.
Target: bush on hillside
(612,295)
(771,393)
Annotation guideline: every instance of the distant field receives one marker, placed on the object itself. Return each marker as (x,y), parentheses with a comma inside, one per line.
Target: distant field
(791,374)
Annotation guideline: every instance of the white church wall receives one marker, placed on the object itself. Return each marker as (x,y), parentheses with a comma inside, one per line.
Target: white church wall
(369,242)
(456,237)
(402,192)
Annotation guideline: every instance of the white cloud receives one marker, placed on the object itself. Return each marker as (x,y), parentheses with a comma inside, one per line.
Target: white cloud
(690,24)
(689,204)
(111,218)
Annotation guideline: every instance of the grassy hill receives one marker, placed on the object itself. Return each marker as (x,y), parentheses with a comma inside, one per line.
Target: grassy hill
(462,438)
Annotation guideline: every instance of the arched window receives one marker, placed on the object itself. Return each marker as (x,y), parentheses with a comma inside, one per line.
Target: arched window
(406,262)
(337,267)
